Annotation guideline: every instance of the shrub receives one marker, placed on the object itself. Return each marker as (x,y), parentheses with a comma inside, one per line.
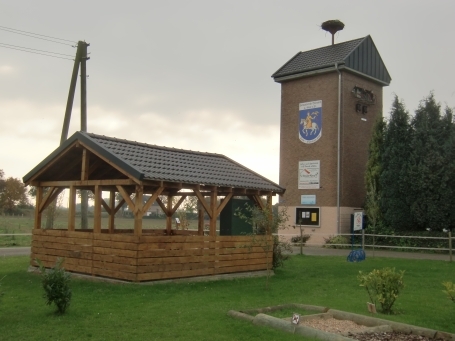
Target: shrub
(297,239)
(281,250)
(56,287)
(450,290)
(332,242)
(383,286)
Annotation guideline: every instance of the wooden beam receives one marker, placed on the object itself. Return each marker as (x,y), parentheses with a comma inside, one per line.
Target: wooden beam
(200,219)
(257,200)
(45,200)
(213,210)
(169,215)
(138,211)
(127,198)
(119,205)
(105,205)
(94,166)
(112,211)
(85,164)
(152,199)
(72,209)
(223,203)
(163,207)
(46,167)
(39,198)
(112,164)
(182,198)
(88,183)
(203,202)
(97,211)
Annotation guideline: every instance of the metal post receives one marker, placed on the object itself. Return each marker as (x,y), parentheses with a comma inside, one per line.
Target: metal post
(363,239)
(301,241)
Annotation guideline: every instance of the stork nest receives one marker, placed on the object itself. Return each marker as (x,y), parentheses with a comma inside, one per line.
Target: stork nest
(332,26)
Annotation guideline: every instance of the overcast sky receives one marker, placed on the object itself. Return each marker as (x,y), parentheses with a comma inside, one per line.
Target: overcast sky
(196,74)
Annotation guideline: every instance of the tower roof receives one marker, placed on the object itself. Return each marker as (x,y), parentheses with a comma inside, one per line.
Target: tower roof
(359,55)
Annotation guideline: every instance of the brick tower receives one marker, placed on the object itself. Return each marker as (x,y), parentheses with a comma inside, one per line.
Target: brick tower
(330,99)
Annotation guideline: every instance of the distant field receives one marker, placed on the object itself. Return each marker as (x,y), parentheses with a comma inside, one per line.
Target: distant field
(24,224)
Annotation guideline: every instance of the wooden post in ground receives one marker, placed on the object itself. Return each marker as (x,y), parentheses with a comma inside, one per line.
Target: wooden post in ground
(169,215)
(72,209)
(200,219)
(38,213)
(97,211)
(213,197)
(112,213)
(138,211)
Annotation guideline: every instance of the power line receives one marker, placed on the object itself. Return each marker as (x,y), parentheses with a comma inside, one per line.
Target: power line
(47,55)
(28,48)
(34,35)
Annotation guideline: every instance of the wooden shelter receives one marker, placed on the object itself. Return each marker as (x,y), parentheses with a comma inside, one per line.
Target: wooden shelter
(103,164)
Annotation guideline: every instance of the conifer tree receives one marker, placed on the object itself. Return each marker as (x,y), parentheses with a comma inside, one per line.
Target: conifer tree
(394,179)
(373,172)
(429,166)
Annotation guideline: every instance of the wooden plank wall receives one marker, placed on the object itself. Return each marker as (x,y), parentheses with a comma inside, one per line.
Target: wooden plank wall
(149,257)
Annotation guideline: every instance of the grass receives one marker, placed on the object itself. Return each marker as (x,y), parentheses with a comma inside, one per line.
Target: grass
(198,311)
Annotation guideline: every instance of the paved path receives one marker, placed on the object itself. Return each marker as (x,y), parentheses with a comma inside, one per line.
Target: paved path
(307,250)
(321,251)
(14,251)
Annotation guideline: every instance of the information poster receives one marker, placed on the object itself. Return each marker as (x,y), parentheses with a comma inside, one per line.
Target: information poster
(309,174)
(307,216)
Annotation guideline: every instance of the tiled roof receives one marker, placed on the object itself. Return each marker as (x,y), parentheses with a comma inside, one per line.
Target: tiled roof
(319,58)
(150,162)
(179,165)
(359,55)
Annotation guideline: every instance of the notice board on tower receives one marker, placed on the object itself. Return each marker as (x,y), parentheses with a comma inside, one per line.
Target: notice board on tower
(308,216)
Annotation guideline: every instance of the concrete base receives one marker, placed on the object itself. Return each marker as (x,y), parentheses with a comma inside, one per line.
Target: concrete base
(374,324)
(177,280)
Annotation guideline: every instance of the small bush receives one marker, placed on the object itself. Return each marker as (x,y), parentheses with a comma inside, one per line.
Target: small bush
(281,250)
(450,290)
(383,286)
(56,285)
(333,240)
(303,238)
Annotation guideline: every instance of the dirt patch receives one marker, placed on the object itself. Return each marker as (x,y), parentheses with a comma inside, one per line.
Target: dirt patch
(392,336)
(358,332)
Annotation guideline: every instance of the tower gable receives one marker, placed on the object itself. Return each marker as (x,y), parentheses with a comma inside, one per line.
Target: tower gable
(359,56)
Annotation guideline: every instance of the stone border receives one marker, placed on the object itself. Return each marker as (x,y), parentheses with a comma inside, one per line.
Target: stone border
(375,324)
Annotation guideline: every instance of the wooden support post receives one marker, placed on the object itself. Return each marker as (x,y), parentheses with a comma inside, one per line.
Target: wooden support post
(97,212)
(213,206)
(38,214)
(169,215)
(112,213)
(270,212)
(138,211)
(200,219)
(72,209)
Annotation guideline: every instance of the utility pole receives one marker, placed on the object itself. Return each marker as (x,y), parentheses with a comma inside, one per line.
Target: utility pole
(81,58)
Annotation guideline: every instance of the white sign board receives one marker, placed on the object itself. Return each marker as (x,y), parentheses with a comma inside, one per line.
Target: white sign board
(358,221)
(309,174)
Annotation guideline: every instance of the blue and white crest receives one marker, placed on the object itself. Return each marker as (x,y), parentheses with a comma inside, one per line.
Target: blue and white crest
(310,121)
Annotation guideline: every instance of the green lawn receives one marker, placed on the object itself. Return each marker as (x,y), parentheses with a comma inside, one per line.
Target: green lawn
(198,311)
